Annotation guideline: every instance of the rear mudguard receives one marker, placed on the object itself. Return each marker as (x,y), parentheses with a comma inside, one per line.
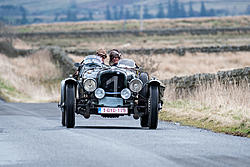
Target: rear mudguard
(63,88)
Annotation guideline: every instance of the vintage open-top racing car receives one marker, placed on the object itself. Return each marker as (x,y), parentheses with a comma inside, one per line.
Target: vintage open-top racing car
(111,91)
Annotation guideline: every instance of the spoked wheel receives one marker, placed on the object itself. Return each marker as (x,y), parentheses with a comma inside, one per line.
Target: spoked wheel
(143,94)
(144,78)
(70,106)
(153,107)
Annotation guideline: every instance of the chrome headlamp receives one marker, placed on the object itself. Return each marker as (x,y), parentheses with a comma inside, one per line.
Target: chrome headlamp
(89,85)
(135,85)
(125,93)
(99,93)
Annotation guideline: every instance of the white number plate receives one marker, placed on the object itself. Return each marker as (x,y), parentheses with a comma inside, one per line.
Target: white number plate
(108,110)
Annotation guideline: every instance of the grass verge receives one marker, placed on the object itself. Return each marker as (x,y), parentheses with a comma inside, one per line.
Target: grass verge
(9,94)
(217,108)
(169,114)
(33,78)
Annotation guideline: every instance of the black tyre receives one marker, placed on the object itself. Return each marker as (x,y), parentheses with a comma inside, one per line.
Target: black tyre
(144,78)
(63,117)
(143,94)
(144,121)
(70,103)
(61,103)
(153,107)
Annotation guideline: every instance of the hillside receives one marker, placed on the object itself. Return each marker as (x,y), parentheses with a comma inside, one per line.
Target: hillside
(54,5)
(82,10)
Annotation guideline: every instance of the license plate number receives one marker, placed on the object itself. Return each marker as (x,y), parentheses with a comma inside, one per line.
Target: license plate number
(108,110)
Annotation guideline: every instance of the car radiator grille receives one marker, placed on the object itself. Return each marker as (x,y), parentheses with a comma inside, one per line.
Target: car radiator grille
(112,82)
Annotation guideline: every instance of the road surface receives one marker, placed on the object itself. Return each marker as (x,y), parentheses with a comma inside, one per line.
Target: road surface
(31,135)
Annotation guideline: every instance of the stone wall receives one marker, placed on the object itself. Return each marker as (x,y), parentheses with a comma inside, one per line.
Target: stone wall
(179,51)
(226,77)
(7,48)
(110,33)
(61,59)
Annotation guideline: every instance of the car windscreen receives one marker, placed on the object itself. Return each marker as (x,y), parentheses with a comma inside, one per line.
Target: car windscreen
(126,63)
(92,60)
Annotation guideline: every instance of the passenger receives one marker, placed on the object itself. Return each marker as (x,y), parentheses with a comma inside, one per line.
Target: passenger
(114,57)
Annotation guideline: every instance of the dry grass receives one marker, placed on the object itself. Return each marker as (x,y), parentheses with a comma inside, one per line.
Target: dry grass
(76,58)
(142,41)
(170,65)
(137,42)
(232,21)
(19,44)
(35,77)
(219,107)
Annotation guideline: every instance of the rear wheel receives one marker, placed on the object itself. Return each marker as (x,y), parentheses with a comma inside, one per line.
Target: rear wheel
(153,107)
(70,105)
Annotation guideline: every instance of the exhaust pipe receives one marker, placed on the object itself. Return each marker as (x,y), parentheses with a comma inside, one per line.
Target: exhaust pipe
(86,115)
(136,116)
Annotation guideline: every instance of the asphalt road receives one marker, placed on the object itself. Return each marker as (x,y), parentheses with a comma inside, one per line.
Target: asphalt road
(31,135)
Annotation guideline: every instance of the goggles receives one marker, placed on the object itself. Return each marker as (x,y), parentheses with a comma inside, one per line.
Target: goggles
(103,56)
(116,57)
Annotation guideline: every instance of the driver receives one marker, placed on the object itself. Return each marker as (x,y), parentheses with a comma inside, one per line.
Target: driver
(114,57)
(100,52)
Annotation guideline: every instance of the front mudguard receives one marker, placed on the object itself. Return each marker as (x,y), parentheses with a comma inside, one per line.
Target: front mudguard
(63,88)
(156,82)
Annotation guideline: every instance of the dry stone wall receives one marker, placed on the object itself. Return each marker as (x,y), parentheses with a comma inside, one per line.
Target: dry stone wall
(61,59)
(110,33)
(58,55)
(179,51)
(235,76)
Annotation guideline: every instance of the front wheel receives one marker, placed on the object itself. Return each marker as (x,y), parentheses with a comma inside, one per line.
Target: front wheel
(63,116)
(143,94)
(70,104)
(153,107)
(144,121)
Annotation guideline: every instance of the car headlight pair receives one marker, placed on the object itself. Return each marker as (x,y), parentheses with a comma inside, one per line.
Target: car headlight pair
(135,85)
